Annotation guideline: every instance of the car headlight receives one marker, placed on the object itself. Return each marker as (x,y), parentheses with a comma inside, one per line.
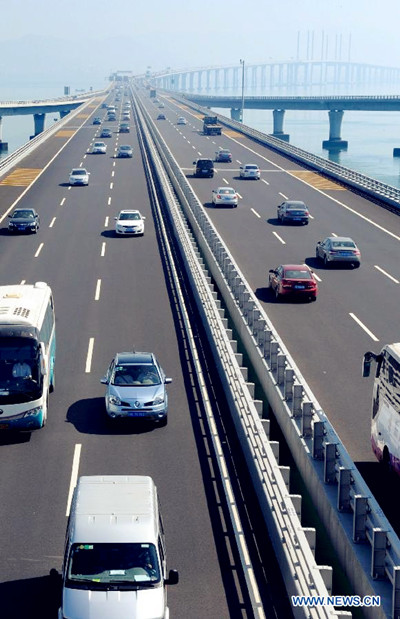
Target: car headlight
(34,412)
(158,400)
(114,399)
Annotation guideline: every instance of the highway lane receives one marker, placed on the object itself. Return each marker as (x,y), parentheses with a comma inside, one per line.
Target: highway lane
(328,338)
(132,310)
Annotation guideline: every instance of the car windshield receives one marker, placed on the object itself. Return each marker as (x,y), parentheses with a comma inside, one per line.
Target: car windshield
(23,215)
(20,377)
(125,148)
(99,144)
(297,274)
(337,244)
(79,172)
(136,375)
(129,216)
(113,563)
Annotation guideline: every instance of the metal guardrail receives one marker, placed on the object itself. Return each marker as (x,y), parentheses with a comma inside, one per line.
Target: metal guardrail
(8,162)
(367,545)
(67,99)
(281,509)
(370,186)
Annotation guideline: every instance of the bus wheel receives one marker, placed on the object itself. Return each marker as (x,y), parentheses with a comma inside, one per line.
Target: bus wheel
(386,460)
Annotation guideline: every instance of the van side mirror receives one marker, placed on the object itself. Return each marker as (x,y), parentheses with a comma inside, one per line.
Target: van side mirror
(366,366)
(104,380)
(167,381)
(173,578)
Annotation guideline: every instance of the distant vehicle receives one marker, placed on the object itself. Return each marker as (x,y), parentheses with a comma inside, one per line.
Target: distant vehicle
(24,220)
(136,387)
(250,170)
(181,121)
(104,105)
(223,154)
(161,117)
(124,128)
(125,150)
(338,249)
(129,222)
(97,121)
(111,117)
(224,196)
(111,108)
(152,93)
(204,168)
(156,100)
(126,116)
(385,423)
(27,353)
(211,126)
(293,280)
(99,148)
(161,106)
(79,176)
(293,211)
(106,133)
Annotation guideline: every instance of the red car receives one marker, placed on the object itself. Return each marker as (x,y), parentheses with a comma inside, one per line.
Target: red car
(293,279)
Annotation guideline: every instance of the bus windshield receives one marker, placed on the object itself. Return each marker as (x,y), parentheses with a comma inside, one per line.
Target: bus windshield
(20,375)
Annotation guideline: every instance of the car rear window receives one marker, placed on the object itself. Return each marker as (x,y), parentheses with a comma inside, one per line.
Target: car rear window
(251,167)
(297,274)
(205,163)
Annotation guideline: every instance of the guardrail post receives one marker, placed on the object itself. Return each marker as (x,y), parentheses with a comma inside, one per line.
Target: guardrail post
(360,518)
(378,553)
(288,384)
(281,364)
(297,395)
(306,418)
(396,592)
(273,355)
(330,463)
(265,343)
(318,432)
(238,288)
(344,485)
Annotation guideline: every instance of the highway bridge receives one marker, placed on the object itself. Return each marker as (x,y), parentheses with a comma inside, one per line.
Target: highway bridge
(124,299)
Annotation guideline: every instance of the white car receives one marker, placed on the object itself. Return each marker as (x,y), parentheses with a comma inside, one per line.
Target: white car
(129,222)
(181,121)
(125,151)
(225,196)
(99,148)
(250,170)
(79,176)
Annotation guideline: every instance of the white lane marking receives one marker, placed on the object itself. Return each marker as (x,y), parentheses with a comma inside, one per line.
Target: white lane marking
(97,293)
(106,222)
(84,156)
(53,221)
(279,238)
(239,162)
(81,164)
(114,163)
(198,152)
(112,172)
(310,216)
(62,201)
(315,275)
(239,196)
(193,146)
(74,475)
(39,250)
(89,356)
(109,201)
(214,142)
(22,282)
(225,181)
(283,195)
(333,234)
(255,213)
(362,325)
(264,181)
(396,281)
(103,249)
(111,185)
(188,142)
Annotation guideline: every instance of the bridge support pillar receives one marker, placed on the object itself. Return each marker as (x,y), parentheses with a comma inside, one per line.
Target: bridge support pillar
(236,114)
(39,123)
(335,142)
(278,116)
(3,145)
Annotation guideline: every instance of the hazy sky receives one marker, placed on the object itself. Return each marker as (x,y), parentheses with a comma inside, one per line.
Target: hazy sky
(87,39)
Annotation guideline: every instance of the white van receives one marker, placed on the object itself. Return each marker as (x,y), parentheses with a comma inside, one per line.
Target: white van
(114,559)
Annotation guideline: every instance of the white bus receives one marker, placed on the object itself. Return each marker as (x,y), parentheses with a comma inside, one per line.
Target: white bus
(27,355)
(385,426)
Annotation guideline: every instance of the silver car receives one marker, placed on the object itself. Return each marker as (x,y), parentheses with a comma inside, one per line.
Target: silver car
(225,196)
(136,388)
(125,151)
(338,249)
(250,170)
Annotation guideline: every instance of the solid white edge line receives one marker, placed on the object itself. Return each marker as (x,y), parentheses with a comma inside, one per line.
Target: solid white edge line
(74,476)
(97,293)
(39,249)
(396,281)
(362,325)
(89,356)
(278,237)
(255,213)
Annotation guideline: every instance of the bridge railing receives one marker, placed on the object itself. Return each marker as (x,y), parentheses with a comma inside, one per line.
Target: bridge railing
(367,545)
(383,192)
(68,99)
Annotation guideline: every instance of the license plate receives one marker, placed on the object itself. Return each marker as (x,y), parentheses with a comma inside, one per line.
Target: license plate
(137,414)
(3,426)
(299,287)
(296,218)
(344,253)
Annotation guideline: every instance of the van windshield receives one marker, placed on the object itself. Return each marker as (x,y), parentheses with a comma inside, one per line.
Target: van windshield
(114,563)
